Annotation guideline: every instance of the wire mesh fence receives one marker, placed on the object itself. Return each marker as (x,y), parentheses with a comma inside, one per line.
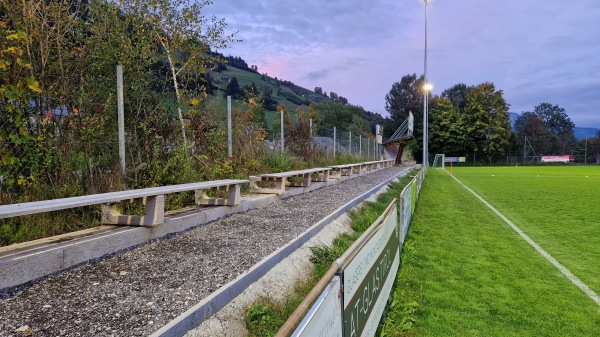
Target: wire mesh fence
(63,154)
(333,142)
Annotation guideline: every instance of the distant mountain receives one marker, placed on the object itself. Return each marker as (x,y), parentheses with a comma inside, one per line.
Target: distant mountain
(583,133)
(513,118)
(580,133)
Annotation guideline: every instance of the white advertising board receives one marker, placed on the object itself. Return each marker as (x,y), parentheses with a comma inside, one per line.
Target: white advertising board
(324,318)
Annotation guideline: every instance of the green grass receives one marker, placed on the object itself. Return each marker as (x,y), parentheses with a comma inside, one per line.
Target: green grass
(557,206)
(464,272)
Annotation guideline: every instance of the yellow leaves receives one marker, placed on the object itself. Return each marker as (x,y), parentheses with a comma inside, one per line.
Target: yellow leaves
(13,50)
(194,102)
(33,84)
(22,181)
(16,36)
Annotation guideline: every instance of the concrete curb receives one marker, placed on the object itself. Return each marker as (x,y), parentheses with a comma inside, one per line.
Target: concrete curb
(197,314)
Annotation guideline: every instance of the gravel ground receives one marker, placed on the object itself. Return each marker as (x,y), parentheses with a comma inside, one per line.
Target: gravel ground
(139,291)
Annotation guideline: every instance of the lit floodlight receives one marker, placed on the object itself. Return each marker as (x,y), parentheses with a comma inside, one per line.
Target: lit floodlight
(427,87)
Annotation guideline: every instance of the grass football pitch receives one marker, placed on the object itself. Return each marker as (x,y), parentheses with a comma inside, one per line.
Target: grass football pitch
(465,272)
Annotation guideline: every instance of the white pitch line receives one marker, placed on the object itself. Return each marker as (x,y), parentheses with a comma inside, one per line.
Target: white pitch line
(574,279)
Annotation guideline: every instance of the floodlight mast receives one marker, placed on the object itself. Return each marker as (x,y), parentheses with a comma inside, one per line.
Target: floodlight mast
(425,96)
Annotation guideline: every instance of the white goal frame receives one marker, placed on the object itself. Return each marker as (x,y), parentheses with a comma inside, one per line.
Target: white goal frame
(440,158)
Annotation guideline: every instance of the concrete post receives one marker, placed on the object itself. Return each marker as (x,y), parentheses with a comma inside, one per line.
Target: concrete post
(282,145)
(350,142)
(334,142)
(121,117)
(229,136)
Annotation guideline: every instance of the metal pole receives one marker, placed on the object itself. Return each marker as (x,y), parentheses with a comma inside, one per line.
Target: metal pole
(525,151)
(360,145)
(425,127)
(368,147)
(229,137)
(585,151)
(310,125)
(121,117)
(334,142)
(282,144)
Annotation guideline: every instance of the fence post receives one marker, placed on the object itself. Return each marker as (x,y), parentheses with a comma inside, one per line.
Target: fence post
(360,145)
(350,142)
(375,148)
(282,145)
(121,117)
(229,137)
(334,142)
(310,126)
(368,148)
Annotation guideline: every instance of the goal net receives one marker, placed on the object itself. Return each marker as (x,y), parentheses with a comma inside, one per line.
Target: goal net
(439,161)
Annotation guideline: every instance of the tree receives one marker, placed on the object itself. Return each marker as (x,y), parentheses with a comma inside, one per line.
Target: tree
(557,129)
(184,34)
(404,97)
(318,90)
(458,95)
(343,117)
(560,125)
(447,127)
(538,135)
(555,117)
(233,89)
(488,120)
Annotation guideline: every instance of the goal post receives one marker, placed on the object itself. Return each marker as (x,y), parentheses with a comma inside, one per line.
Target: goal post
(439,162)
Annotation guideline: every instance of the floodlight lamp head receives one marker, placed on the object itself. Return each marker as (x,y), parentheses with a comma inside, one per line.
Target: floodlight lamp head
(427,87)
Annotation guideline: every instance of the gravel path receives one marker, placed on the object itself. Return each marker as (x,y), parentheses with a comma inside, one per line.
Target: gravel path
(137,292)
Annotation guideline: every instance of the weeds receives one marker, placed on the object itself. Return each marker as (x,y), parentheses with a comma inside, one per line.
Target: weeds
(270,313)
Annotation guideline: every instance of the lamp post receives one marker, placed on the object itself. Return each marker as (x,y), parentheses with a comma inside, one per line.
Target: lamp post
(426,88)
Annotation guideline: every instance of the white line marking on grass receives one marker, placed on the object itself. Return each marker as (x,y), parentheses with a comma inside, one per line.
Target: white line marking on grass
(574,279)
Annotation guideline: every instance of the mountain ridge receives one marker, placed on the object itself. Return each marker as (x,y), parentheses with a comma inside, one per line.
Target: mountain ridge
(581,133)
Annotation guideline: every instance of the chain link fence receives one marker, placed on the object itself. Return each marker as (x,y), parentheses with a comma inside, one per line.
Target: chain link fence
(333,142)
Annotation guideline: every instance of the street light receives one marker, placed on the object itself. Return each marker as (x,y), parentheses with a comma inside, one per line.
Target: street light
(426,88)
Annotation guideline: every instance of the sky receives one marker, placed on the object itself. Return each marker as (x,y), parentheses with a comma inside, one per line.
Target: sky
(534,51)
